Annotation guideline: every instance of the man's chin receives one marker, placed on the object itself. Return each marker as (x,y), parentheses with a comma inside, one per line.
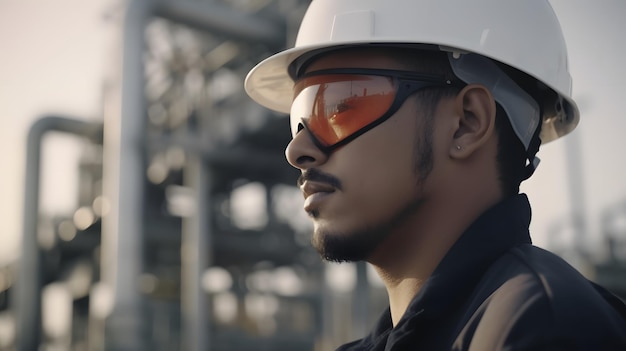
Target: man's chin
(336,246)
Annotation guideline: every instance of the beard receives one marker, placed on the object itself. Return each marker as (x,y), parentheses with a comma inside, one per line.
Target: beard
(359,244)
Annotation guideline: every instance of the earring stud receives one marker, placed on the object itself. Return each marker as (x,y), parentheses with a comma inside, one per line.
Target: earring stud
(458,147)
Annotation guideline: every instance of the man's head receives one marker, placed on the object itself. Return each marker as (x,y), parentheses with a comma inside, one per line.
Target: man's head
(399,122)
(400,172)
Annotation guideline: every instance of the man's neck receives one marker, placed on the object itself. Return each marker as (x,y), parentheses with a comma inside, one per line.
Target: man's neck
(411,255)
(415,248)
(400,296)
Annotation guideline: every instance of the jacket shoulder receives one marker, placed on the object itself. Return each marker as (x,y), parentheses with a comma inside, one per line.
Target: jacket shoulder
(531,299)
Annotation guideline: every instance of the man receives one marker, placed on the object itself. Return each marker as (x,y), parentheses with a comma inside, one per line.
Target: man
(413,123)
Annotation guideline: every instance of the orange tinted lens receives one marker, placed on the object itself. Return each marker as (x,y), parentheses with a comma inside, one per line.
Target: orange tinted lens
(336,106)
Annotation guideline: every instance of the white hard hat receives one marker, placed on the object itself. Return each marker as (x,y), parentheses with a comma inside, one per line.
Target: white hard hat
(522,34)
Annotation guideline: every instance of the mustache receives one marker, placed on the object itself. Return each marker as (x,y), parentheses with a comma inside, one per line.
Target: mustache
(315,175)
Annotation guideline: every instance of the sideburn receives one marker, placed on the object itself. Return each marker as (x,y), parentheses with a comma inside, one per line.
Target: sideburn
(423,159)
(427,102)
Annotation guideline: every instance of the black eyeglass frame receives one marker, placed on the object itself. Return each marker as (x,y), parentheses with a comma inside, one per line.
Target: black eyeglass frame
(406,82)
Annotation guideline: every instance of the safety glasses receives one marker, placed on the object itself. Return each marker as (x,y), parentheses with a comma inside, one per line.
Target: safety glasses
(337,105)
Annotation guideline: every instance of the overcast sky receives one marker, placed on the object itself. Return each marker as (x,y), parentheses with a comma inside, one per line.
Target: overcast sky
(53,56)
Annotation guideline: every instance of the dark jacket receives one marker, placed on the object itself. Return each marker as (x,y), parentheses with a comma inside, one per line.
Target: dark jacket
(495,291)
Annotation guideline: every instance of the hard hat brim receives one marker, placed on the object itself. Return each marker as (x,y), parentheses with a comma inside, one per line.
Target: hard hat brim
(269,83)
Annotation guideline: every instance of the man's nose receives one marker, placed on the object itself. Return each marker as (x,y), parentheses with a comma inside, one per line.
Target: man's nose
(302,153)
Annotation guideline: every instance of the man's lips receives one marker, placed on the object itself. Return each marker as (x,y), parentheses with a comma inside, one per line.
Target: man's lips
(314,193)
(311,187)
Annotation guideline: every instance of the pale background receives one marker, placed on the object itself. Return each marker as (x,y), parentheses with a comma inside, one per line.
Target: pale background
(54,54)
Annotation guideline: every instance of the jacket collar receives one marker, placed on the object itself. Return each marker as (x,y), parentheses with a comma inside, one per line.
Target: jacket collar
(496,231)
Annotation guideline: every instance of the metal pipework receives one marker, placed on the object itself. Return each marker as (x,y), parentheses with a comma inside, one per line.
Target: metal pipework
(26,301)
(216,18)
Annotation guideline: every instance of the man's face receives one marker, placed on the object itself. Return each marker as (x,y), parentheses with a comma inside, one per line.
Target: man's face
(364,191)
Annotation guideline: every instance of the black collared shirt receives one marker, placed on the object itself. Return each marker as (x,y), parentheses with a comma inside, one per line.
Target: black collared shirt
(495,291)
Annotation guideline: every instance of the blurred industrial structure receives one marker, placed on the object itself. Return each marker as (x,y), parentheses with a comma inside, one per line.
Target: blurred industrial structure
(189,233)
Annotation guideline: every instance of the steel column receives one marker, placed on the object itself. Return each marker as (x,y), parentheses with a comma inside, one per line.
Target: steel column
(123,187)
(195,258)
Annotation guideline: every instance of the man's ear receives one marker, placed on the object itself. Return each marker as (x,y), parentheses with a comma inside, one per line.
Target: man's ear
(476,109)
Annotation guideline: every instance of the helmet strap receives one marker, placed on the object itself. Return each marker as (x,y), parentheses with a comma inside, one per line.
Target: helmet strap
(533,148)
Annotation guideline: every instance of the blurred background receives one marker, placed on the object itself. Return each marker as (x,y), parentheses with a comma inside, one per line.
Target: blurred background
(147,204)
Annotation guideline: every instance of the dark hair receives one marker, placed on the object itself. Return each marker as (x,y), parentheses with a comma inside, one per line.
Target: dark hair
(511,157)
